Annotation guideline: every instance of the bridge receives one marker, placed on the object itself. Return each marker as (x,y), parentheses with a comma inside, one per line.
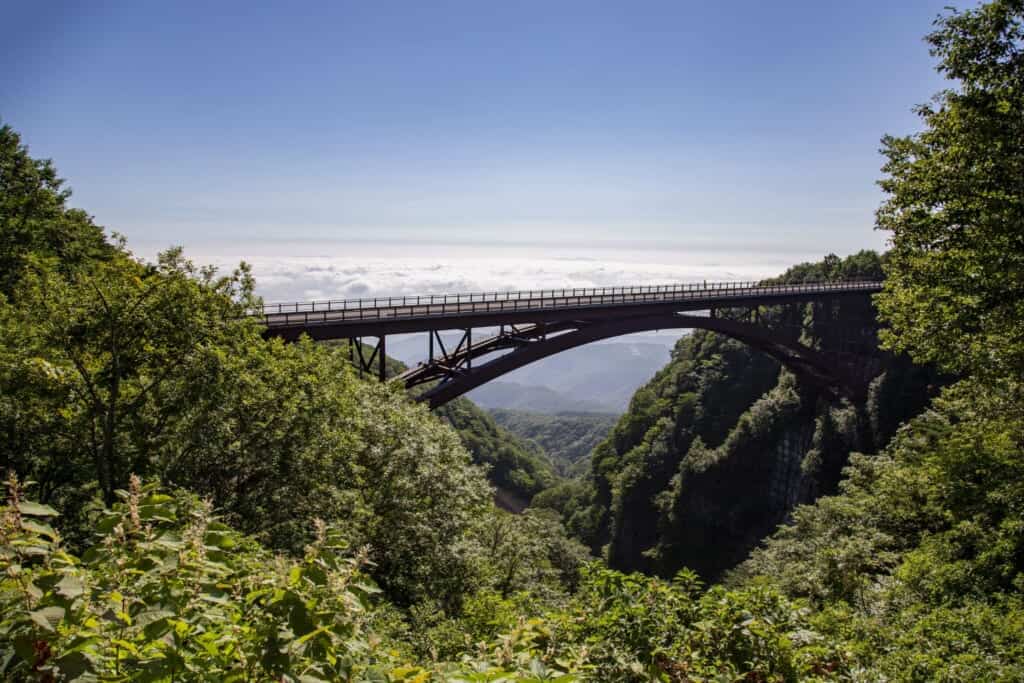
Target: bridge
(519,327)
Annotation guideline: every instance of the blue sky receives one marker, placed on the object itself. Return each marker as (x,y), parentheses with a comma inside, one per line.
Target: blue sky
(747,124)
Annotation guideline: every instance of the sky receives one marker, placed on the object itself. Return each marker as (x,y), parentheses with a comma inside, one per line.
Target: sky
(657,140)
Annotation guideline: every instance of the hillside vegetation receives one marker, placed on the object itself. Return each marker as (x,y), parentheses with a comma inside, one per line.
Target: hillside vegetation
(720,446)
(187,501)
(566,438)
(518,469)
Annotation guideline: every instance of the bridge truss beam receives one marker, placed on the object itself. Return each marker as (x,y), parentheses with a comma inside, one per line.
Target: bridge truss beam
(518,346)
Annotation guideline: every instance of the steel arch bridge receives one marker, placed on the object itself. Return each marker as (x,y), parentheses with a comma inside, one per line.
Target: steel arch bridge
(520,327)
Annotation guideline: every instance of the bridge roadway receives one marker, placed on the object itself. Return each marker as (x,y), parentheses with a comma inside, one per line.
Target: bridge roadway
(349,319)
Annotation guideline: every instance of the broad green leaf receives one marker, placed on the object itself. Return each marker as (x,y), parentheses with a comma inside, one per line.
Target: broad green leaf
(48,618)
(37,528)
(77,666)
(26,507)
(70,587)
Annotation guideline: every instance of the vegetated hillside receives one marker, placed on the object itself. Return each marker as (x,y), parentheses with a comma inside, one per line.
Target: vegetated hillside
(517,468)
(722,444)
(504,395)
(566,438)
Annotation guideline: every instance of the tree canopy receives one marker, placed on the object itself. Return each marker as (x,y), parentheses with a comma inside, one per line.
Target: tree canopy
(954,206)
(35,218)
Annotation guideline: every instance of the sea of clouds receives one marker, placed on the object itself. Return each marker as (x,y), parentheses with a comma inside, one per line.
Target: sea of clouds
(303,271)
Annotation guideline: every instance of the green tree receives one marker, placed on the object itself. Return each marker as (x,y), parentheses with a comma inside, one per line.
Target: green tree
(529,551)
(285,432)
(167,592)
(154,369)
(96,367)
(917,563)
(955,205)
(35,218)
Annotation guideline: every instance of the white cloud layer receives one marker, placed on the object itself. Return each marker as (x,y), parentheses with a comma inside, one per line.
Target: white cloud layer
(306,271)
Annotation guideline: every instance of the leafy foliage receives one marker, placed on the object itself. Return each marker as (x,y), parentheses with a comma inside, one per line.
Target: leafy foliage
(34,218)
(954,208)
(923,539)
(168,592)
(566,438)
(96,366)
(519,470)
(620,627)
(292,433)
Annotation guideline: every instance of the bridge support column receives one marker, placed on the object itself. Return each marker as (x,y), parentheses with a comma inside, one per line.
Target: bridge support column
(364,364)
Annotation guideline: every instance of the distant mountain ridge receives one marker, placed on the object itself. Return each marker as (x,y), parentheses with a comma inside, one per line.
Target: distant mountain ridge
(606,373)
(596,378)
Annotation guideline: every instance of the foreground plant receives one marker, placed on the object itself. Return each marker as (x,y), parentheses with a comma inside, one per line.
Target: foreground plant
(169,593)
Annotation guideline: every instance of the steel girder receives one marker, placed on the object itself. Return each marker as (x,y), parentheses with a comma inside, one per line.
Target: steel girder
(461,370)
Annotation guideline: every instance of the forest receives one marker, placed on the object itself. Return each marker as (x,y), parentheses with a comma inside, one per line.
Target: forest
(186,500)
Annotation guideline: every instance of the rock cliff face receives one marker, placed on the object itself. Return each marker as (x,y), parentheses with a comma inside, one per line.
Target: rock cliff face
(723,443)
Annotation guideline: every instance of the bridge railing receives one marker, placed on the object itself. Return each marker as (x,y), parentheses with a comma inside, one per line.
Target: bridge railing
(339,310)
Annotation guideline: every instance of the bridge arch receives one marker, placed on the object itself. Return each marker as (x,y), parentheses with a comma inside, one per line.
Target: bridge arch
(456,373)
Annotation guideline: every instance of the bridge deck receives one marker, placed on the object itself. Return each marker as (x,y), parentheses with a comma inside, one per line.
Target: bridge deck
(339,318)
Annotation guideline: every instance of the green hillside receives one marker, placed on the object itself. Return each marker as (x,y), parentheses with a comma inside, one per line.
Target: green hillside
(516,467)
(566,438)
(720,446)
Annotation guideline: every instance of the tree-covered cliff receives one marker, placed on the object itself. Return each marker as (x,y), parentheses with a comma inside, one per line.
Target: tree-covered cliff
(720,446)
